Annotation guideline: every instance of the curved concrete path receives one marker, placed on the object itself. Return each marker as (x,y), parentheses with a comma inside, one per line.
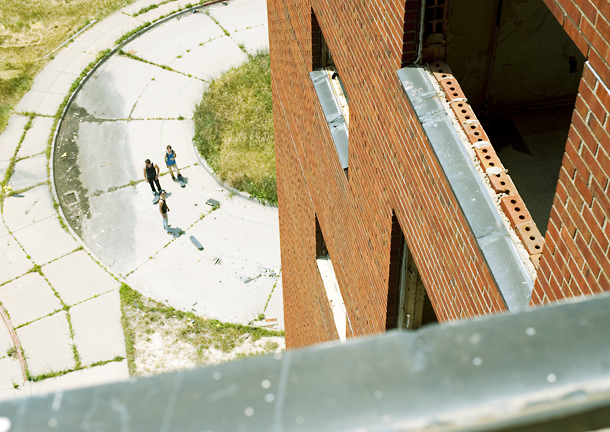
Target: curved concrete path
(64,306)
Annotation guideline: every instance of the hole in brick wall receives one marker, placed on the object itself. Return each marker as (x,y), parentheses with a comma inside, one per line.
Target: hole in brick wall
(491,164)
(477,133)
(461,105)
(455,94)
(513,201)
(473,127)
(467,117)
(408,304)
(484,150)
(528,229)
(532,238)
(530,91)
(503,183)
(464,111)
(517,209)
(537,247)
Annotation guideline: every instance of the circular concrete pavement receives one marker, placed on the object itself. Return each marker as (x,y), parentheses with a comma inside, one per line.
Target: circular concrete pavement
(58,300)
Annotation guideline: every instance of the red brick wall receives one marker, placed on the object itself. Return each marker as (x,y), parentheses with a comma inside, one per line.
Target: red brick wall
(391,167)
(575,260)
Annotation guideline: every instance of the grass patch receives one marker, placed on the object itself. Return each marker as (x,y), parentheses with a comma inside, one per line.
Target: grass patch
(160,338)
(30,32)
(234,128)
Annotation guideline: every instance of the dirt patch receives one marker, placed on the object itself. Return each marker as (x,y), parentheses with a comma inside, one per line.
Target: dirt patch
(71,193)
(163,339)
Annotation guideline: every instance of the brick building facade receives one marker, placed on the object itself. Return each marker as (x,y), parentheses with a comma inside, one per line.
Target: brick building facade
(438,160)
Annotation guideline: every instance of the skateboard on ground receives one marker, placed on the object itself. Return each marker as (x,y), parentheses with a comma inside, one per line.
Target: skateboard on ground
(182,181)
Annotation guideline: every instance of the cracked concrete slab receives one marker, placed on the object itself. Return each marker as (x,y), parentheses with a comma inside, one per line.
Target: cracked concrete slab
(9,139)
(170,95)
(4,165)
(3,230)
(35,205)
(90,377)
(13,260)
(47,344)
(29,172)
(85,280)
(28,298)
(36,138)
(163,44)
(56,241)
(122,77)
(212,59)
(98,332)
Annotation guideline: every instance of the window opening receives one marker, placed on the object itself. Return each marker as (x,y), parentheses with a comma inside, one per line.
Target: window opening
(409,306)
(331,285)
(331,91)
(520,72)
(435,36)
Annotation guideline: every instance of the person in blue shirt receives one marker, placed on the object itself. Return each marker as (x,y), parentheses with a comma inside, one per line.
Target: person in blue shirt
(170,162)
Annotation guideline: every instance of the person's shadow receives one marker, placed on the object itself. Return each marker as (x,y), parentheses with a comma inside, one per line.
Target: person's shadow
(175,231)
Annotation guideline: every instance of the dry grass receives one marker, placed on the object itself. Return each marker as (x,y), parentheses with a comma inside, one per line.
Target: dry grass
(234,128)
(29,31)
(160,338)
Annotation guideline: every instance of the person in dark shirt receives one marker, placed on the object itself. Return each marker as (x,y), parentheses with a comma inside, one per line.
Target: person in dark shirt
(151,173)
(163,209)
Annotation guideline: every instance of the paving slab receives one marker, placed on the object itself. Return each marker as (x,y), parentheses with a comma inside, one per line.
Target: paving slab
(30,101)
(117,25)
(47,344)
(45,79)
(196,277)
(11,373)
(35,206)
(91,377)
(135,7)
(125,228)
(13,261)
(98,332)
(212,59)
(125,79)
(28,298)
(154,14)
(170,95)
(241,14)
(62,59)
(46,240)
(163,44)
(254,39)
(9,139)
(50,102)
(85,279)
(29,172)
(36,138)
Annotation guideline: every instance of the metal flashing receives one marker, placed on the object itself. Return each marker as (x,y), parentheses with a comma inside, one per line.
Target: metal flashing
(483,216)
(334,115)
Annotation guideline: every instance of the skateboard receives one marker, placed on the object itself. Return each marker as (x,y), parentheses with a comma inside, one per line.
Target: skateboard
(182,181)
(196,243)
(156,199)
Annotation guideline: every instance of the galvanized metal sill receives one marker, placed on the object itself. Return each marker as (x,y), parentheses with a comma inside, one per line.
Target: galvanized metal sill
(497,245)
(333,113)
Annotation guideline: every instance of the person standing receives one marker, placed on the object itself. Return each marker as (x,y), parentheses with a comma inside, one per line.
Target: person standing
(170,162)
(163,209)
(151,173)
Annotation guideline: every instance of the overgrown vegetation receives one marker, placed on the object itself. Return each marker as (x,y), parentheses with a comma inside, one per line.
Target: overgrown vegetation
(30,32)
(234,128)
(160,338)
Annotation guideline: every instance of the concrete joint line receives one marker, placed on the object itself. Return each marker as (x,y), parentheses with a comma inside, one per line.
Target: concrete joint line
(16,342)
